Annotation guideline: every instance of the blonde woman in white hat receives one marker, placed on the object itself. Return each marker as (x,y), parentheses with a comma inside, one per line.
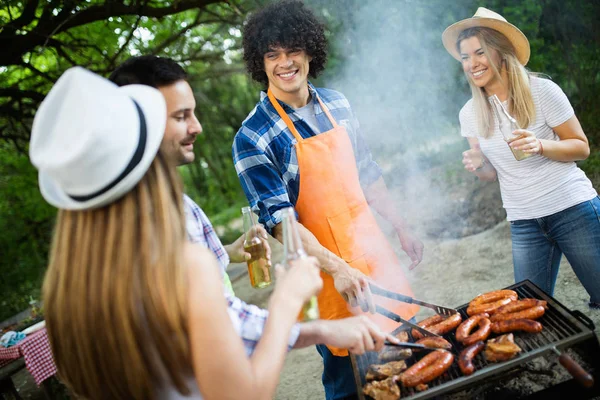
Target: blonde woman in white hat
(550,203)
(122,320)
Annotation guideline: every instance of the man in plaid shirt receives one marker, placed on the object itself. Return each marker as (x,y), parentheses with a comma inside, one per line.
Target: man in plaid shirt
(300,147)
(182,127)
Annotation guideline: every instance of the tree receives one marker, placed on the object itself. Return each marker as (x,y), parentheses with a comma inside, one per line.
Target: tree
(41,39)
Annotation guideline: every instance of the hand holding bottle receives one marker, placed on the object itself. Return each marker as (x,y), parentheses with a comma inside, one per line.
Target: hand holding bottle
(254,250)
(299,282)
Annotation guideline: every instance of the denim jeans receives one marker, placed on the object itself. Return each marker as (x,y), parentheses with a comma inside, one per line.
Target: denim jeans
(338,376)
(538,245)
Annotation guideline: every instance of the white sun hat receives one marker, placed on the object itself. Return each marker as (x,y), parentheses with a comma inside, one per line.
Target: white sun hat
(93,141)
(488,19)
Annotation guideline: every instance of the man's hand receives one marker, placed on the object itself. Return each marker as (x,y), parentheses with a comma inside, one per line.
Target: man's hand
(353,285)
(237,253)
(357,334)
(412,246)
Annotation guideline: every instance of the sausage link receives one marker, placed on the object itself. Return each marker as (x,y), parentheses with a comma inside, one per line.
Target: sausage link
(526,325)
(529,313)
(463,332)
(465,358)
(427,369)
(489,302)
(447,324)
(438,325)
(426,323)
(521,305)
(435,342)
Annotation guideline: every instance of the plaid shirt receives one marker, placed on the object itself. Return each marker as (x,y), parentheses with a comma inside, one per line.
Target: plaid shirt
(248,320)
(265,157)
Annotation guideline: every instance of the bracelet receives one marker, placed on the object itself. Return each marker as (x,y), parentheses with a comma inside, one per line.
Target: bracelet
(541,148)
(482,164)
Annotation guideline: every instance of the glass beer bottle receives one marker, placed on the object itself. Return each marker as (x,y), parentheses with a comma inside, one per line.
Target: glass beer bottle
(293,250)
(258,267)
(507,125)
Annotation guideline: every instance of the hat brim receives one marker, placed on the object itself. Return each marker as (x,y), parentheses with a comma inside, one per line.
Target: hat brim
(512,33)
(154,109)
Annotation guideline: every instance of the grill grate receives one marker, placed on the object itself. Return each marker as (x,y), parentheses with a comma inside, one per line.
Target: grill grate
(561,329)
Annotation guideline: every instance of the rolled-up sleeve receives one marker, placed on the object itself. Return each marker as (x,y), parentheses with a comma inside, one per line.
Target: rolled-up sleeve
(249,323)
(261,181)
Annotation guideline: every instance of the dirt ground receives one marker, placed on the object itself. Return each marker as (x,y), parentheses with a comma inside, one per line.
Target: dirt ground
(453,271)
(457,265)
(467,252)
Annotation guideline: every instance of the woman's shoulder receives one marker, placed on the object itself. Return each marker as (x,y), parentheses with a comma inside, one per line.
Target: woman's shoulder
(467,111)
(542,84)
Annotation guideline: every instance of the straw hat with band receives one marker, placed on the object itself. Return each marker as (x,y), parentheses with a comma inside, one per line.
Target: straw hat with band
(485,18)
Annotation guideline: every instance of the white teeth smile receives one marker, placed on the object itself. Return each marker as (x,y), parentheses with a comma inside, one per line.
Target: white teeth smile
(479,73)
(289,74)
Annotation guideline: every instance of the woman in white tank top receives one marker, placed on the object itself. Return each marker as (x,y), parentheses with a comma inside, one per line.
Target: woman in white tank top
(552,206)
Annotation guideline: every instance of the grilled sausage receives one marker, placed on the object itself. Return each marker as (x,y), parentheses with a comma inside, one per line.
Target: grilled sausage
(529,313)
(427,368)
(463,332)
(526,325)
(465,359)
(438,325)
(489,302)
(435,342)
(521,305)
(426,323)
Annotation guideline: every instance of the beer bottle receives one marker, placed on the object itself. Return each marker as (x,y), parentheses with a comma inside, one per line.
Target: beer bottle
(258,267)
(293,250)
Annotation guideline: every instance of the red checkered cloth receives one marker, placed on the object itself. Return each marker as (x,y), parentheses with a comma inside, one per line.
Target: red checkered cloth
(35,348)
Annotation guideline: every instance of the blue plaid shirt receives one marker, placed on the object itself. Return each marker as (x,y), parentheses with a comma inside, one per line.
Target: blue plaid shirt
(265,157)
(248,320)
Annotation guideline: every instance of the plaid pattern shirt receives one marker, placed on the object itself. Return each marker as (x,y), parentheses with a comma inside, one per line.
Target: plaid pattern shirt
(265,157)
(248,320)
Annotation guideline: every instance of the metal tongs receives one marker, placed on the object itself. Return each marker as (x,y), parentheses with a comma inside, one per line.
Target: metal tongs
(376,290)
(407,345)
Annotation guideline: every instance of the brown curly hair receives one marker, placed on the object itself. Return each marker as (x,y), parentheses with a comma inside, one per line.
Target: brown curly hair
(288,24)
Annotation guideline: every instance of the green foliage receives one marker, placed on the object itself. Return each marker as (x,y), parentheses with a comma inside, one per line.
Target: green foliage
(205,37)
(25,223)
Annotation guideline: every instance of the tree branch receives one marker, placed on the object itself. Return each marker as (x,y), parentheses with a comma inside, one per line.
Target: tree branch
(99,13)
(15,93)
(24,19)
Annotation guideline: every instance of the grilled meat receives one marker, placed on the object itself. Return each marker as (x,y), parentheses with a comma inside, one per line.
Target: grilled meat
(383,371)
(387,389)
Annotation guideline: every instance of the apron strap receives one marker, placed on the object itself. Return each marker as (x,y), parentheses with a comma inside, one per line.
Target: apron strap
(284,116)
(288,121)
(331,119)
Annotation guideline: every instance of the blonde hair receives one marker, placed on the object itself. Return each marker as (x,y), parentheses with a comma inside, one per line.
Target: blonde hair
(115,293)
(520,100)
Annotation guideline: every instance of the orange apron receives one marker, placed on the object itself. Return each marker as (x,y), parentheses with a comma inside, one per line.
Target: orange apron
(332,205)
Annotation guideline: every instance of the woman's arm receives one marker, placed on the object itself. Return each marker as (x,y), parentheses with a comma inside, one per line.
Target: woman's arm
(221,367)
(476,163)
(572,146)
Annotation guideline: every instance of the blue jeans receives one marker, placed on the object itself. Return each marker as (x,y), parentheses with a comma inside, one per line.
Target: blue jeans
(338,376)
(538,245)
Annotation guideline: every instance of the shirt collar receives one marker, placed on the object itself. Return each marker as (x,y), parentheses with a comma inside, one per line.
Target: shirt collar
(264,99)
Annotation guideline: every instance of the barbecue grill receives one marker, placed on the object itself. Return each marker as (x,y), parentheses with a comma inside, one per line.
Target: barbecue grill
(562,329)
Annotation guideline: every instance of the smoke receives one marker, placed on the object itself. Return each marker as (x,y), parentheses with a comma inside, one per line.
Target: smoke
(406,90)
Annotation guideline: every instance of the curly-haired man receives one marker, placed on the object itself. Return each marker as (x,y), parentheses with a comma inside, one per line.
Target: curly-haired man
(301,147)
